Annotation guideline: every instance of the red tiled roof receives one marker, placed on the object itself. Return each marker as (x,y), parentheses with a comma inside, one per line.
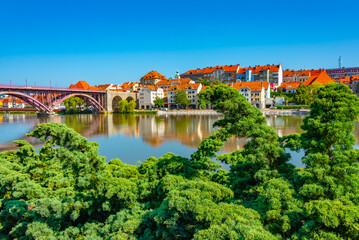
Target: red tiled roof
(208,70)
(290,85)
(253,86)
(153,75)
(346,79)
(103,86)
(83,85)
(129,84)
(184,87)
(322,78)
(150,87)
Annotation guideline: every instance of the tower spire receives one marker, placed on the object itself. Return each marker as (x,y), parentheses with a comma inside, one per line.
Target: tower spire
(340,61)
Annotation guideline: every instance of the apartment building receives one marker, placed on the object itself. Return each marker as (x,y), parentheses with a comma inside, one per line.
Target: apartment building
(192,91)
(255,92)
(273,74)
(166,84)
(300,75)
(147,95)
(339,72)
(224,74)
(289,87)
(350,81)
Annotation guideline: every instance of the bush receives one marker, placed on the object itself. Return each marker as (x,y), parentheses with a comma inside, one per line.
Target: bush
(292,106)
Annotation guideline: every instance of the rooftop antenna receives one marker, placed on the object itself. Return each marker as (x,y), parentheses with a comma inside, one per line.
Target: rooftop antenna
(340,61)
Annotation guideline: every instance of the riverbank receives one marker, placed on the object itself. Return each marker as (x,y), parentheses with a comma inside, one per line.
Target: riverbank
(213,112)
(188,112)
(267,111)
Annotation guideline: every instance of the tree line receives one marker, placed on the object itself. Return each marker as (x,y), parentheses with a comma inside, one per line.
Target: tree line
(66,190)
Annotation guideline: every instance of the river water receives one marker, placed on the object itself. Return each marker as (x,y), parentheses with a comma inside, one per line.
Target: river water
(134,138)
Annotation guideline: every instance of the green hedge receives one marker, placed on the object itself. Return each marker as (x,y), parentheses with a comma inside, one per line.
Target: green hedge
(291,106)
(138,112)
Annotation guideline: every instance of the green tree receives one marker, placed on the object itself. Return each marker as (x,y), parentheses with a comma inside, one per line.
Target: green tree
(204,82)
(302,94)
(181,99)
(158,102)
(74,104)
(330,187)
(131,106)
(307,94)
(122,106)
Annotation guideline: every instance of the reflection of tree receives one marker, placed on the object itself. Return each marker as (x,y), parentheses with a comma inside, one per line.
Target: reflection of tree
(155,130)
(124,119)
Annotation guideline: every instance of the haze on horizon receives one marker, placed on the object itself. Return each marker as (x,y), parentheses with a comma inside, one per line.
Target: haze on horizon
(113,41)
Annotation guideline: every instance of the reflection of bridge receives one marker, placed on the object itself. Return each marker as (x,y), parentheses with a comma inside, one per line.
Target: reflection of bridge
(47,99)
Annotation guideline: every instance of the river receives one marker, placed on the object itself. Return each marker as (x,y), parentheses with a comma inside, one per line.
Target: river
(134,138)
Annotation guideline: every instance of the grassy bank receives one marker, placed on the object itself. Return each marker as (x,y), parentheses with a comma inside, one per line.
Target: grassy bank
(292,107)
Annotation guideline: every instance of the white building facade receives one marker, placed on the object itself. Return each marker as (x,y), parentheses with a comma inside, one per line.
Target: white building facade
(148,95)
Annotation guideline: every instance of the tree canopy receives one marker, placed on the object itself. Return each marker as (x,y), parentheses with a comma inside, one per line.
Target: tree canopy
(66,190)
(158,102)
(181,99)
(74,104)
(125,106)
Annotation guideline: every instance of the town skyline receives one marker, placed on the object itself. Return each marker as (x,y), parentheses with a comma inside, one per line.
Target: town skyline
(65,41)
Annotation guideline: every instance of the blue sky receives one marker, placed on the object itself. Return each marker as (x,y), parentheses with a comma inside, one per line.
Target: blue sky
(116,41)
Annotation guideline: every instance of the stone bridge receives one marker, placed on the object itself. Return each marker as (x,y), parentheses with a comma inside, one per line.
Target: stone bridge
(113,97)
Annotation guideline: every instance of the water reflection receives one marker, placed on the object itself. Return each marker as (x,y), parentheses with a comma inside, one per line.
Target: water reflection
(137,137)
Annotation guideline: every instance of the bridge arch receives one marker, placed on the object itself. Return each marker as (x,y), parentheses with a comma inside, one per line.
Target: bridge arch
(130,98)
(83,96)
(115,101)
(28,99)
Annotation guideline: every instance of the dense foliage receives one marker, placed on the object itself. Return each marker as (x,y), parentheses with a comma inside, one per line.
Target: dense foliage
(65,190)
(158,102)
(125,106)
(307,94)
(74,105)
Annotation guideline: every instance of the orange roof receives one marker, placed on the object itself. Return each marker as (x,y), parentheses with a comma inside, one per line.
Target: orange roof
(288,73)
(346,79)
(165,82)
(271,68)
(150,87)
(253,86)
(83,85)
(184,80)
(103,86)
(153,75)
(290,85)
(129,84)
(322,78)
(185,86)
(316,72)
(208,70)
(257,69)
